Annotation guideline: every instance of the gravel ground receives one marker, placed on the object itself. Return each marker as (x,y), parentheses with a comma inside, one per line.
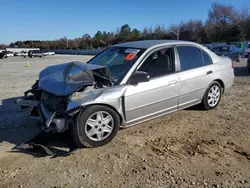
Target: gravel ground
(189,148)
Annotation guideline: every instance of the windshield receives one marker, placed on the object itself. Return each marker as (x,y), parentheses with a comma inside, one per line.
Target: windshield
(118,60)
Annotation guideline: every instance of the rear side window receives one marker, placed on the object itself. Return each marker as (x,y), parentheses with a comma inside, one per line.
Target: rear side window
(190,57)
(206,59)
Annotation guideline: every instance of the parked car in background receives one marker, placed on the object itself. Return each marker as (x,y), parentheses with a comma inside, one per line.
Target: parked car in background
(240,45)
(231,51)
(49,53)
(9,54)
(3,55)
(22,53)
(35,53)
(248,63)
(247,49)
(124,85)
(17,53)
(208,46)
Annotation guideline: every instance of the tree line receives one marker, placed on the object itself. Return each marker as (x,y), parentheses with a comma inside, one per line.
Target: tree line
(224,24)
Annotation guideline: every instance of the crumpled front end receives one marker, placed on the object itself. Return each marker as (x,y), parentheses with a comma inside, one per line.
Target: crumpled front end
(49,97)
(48,108)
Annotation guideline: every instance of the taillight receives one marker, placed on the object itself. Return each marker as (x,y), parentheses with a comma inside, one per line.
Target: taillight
(232,64)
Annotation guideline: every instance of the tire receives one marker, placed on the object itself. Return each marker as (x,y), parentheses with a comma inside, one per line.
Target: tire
(80,128)
(206,104)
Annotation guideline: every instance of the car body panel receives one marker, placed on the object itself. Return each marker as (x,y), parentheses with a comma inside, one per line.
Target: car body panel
(159,95)
(190,92)
(111,97)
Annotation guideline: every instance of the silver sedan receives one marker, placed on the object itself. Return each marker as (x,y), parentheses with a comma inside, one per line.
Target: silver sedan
(125,85)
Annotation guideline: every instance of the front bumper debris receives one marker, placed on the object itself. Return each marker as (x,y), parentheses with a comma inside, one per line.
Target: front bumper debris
(48,119)
(60,123)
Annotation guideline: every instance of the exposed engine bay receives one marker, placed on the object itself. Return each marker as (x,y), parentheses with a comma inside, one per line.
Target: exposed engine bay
(49,97)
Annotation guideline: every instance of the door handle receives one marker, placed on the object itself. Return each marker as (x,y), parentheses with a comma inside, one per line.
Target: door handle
(173,82)
(209,72)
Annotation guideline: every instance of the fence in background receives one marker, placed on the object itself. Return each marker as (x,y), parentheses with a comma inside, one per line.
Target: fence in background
(79,52)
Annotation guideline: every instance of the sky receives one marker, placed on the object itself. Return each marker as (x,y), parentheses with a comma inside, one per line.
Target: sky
(53,19)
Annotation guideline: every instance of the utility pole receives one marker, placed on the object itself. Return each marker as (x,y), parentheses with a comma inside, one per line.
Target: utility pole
(176,33)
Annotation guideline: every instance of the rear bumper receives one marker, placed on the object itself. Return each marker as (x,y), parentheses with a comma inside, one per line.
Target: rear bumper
(229,83)
(48,119)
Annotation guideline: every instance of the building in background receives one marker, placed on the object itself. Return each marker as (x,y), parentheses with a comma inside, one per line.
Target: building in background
(20,49)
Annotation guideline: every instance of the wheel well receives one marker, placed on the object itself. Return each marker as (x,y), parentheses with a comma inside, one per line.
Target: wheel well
(222,84)
(120,116)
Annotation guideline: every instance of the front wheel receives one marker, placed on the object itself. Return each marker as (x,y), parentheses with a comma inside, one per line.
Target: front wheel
(212,96)
(95,126)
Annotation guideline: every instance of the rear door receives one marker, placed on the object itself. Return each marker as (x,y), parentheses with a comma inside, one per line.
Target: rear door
(196,69)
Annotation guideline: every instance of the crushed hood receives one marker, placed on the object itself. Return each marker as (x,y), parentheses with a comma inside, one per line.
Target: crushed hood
(64,79)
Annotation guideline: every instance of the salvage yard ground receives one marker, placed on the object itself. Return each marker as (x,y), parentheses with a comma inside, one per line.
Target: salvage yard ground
(187,148)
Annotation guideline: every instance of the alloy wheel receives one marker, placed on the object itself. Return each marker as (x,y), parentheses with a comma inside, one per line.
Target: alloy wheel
(213,96)
(99,126)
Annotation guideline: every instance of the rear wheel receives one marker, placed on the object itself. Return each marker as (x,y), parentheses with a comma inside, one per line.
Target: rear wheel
(96,126)
(212,96)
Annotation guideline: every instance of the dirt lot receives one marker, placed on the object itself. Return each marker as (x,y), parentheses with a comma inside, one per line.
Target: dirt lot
(190,148)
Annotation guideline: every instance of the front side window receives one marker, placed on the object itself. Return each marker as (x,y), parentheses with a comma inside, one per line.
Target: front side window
(159,63)
(190,57)
(118,60)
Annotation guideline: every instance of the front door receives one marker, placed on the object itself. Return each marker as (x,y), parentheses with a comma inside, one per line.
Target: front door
(147,100)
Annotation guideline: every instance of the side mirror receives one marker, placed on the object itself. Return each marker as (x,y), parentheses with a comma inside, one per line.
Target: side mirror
(139,76)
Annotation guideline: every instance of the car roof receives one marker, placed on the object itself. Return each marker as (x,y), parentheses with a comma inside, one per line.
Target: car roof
(150,43)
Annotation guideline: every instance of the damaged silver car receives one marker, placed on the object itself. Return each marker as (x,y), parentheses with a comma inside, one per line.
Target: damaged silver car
(124,85)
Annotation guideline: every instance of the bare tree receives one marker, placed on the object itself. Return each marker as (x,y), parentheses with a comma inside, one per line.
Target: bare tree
(175,29)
